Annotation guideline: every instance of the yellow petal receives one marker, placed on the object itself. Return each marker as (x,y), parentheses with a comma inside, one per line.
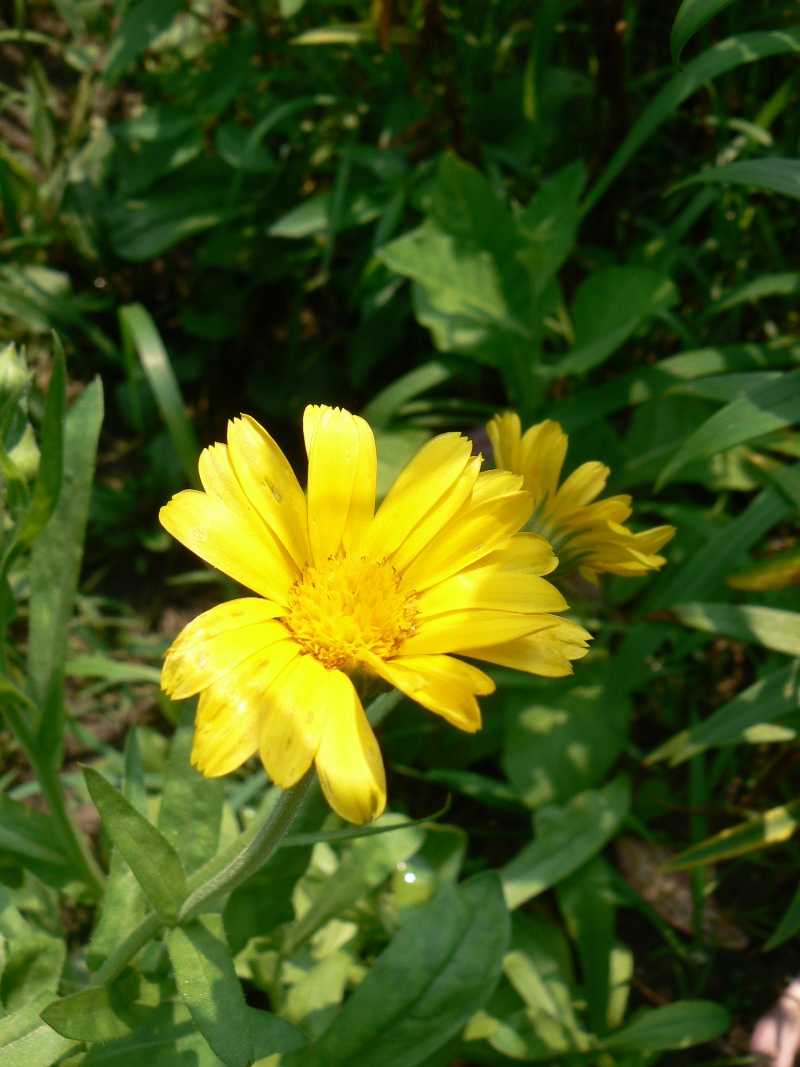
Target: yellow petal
(505,432)
(441,684)
(491,485)
(311,416)
(296,709)
(472,534)
(229,541)
(582,486)
(528,552)
(349,761)
(494,588)
(541,456)
(342,468)
(429,528)
(362,502)
(270,484)
(203,654)
(547,652)
(456,631)
(230,712)
(219,748)
(419,487)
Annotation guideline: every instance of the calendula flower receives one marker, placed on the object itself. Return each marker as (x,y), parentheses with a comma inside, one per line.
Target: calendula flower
(342,590)
(587,535)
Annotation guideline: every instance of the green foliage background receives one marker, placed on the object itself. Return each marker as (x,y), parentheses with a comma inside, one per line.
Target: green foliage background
(425,212)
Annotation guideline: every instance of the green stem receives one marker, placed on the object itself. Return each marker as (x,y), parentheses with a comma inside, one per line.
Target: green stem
(73,841)
(249,852)
(122,954)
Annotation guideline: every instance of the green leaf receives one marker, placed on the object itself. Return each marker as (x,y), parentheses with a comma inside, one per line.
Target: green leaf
(235,145)
(169,1038)
(785,479)
(770,627)
(310,217)
(33,966)
(561,739)
(646,383)
(438,971)
(692,16)
(606,310)
(51,461)
(775,572)
(152,859)
(765,285)
(708,567)
(576,833)
(112,670)
(98,1013)
(384,407)
(771,406)
(32,836)
(725,56)
(26,1041)
(789,924)
(680,1025)
(123,904)
(55,568)
(143,22)
(773,175)
(190,815)
(363,867)
(460,278)
(140,333)
(207,982)
(549,224)
(772,828)
(765,700)
(144,228)
(264,901)
(587,902)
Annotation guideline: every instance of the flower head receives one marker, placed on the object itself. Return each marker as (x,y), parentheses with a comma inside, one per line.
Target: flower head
(440,568)
(587,534)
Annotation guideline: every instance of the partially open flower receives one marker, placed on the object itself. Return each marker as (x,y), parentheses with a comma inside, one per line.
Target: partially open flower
(439,569)
(587,535)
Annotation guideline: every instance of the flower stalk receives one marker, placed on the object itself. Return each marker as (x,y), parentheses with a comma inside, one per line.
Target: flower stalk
(234,865)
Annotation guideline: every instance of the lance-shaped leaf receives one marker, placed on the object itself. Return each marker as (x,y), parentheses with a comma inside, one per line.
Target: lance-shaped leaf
(51,459)
(101,1013)
(152,859)
(191,805)
(692,16)
(765,700)
(26,1041)
(774,175)
(679,1025)
(55,568)
(770,627)
(770,406)
(207,982)
(439,970)
(123,903)
(578,831)
(771,828)
(169,1038)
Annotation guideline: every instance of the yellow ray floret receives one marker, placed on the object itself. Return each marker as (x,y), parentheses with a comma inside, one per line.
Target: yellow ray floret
(440,569)
(587,534)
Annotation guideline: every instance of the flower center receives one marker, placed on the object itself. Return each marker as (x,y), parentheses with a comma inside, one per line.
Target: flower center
(349,606)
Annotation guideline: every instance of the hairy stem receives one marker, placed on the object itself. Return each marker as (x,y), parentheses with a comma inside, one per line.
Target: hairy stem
(249,852)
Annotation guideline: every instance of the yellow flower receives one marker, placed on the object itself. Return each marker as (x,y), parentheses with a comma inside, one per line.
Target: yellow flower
(440,568)
(586,534)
